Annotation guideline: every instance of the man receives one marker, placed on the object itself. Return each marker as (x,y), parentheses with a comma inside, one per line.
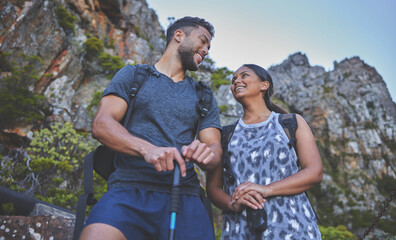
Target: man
(161,129)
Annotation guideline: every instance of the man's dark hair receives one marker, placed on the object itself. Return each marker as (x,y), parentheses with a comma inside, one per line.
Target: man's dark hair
(187,24)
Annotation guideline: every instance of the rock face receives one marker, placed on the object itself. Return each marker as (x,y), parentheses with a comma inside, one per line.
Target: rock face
(348,108)
(34,228)
(128,29)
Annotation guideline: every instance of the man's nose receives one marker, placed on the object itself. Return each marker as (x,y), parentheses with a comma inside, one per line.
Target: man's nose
(205,50)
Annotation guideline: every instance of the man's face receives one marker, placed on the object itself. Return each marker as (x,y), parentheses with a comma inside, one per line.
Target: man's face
(194,48)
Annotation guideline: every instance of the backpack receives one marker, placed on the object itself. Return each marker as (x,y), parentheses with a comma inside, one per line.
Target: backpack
(102,158)
(289,125)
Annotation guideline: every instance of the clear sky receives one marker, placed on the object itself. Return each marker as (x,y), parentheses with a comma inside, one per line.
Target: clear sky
(266,32)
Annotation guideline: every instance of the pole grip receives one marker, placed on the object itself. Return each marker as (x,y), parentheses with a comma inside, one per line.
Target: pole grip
(175,192)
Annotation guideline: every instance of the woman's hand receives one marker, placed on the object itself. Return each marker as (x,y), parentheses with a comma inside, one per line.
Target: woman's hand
(250,193)
(249,198)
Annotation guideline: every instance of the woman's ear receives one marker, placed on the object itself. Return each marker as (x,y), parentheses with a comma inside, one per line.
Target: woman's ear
(264,85)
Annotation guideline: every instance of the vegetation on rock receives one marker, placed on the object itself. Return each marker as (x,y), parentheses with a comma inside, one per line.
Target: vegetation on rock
(19,104)
(66,19)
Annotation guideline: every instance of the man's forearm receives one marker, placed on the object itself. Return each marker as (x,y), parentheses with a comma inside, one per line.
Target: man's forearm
(112,134)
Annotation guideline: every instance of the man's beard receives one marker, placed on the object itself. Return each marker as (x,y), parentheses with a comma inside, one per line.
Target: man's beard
(186,55)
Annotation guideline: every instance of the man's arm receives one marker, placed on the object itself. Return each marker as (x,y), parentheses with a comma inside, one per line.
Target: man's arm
(206,151)
(107,129)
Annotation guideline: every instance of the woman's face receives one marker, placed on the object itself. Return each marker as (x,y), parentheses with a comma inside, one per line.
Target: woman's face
(246,83)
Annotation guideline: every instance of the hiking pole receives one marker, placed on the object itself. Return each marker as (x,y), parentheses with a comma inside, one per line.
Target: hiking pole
(174,201)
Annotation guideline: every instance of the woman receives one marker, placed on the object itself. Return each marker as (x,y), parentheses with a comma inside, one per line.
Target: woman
(265,173)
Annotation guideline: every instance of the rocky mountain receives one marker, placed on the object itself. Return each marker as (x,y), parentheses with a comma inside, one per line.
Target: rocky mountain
(82,42)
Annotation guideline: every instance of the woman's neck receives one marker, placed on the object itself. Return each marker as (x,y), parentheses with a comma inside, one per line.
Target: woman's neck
(255,113)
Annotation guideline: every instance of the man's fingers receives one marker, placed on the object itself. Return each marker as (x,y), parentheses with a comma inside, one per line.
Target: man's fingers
(180,161)
(184,150)
(157,165)
(163,158)
(188,152)
(208,158)
(199,153)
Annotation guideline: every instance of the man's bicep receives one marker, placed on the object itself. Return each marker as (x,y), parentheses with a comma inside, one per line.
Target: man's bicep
(112,106)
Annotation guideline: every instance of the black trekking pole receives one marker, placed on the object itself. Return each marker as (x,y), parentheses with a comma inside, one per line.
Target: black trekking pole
(174,201)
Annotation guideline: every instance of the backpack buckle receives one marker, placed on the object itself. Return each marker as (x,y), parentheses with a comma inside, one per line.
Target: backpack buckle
(91,200)
(133,92)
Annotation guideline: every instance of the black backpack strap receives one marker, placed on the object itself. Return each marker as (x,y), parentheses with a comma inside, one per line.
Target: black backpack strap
(205,96)
(226,134)
(289,124)
(86,198)
(140,75)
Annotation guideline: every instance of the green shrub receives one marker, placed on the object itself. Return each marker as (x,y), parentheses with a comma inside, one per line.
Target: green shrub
(18,103)
(110,64)
(94,102)
(336,233)
(223,108)
(94,47)
(56,160)
(7,209)
(220,77)
(207,64)
(66,19)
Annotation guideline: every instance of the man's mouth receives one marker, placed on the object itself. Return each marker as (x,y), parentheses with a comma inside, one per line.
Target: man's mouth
(200,57)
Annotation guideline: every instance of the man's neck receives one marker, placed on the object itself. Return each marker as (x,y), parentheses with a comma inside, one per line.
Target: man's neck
(170,65)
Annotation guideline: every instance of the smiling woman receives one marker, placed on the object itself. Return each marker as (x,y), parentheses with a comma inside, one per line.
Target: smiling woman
(261,171)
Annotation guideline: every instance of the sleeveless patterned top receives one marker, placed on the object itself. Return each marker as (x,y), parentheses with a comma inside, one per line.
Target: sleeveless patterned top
(259,153)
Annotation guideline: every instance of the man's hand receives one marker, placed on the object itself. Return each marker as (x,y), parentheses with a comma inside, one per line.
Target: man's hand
(162,159)
(198,153)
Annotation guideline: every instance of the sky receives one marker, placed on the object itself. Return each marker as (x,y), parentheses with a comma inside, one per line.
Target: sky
(266,32)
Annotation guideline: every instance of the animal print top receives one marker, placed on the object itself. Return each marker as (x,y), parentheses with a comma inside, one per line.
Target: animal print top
(259,153)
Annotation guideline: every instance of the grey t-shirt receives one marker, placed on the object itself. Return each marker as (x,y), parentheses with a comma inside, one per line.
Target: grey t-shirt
(164,114)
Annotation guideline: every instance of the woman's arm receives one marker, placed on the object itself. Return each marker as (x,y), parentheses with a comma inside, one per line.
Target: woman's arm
(310,174)
(216,194)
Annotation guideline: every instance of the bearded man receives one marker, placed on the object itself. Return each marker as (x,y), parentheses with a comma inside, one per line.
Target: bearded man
(162,129)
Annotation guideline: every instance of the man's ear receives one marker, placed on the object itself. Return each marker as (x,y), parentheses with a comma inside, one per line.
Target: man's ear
(179,36)
(264,85)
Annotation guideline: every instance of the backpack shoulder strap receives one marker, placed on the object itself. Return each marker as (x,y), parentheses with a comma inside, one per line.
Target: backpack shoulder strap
(205,96)
(289,124)
(139,78)
(226,134)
